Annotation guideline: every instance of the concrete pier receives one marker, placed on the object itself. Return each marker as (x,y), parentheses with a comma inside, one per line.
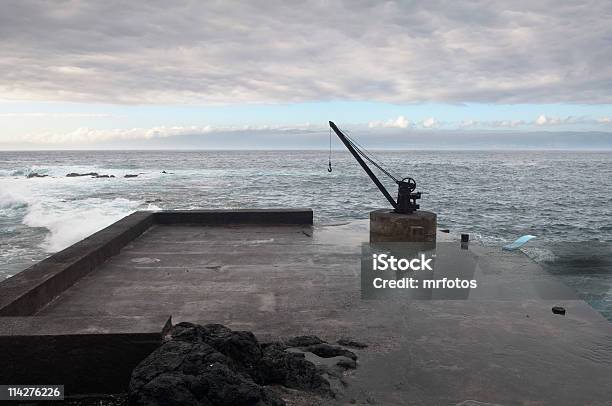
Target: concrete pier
(280,276)
(389,226)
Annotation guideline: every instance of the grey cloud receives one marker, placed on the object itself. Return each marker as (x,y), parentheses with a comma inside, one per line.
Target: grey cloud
(274,51)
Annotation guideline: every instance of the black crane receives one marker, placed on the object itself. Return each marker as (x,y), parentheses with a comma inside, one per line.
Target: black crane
(406,199)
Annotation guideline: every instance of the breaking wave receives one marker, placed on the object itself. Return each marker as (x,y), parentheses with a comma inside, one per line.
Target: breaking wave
(11,200)
(63,221)
(72,222)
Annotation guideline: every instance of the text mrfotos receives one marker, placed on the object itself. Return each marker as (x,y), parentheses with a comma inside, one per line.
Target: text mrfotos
(385,262)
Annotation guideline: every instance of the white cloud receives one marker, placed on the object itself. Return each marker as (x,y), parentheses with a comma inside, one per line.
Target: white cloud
(492,123)
(89,135)
(93,136)
(217,53)
(547,120)
(399,122)
(507,123)
(429,122)
(469,123)
(543,120)
(403,122)
(250,133)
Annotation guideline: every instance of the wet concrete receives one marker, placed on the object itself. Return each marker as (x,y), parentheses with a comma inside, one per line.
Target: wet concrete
(502,345)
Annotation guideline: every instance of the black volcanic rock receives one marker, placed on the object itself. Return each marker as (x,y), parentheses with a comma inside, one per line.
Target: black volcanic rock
(328,351)
(302,341)
(92,174)
(213,365)
(193,373)
(241,347)
(349,342)
(74,174)
(292,370)
(558,310)
(36,175)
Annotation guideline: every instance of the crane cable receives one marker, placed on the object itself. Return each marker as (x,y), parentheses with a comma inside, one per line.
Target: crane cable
(362,151)
(329,168)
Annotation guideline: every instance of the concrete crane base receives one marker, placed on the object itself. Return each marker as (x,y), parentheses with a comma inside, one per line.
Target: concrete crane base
(387,225)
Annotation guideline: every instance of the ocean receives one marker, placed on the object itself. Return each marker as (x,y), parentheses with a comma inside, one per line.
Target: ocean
(562,197)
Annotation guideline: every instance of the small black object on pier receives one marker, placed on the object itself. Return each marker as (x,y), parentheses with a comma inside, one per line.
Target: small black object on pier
(558,310)
(406,198)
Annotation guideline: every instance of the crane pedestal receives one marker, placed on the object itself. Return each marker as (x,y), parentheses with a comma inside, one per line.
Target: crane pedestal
(388,226)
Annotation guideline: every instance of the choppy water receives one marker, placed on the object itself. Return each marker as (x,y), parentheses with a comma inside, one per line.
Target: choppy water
(561,197)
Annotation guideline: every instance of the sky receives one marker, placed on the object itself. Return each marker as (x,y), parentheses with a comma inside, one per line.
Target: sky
(270,74)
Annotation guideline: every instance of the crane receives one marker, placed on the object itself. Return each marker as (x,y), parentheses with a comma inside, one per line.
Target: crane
(406,198)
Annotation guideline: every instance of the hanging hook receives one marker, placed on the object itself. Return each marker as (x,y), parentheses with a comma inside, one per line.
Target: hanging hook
(329,168)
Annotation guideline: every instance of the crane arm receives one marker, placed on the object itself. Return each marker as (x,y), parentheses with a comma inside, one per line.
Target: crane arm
(349,145)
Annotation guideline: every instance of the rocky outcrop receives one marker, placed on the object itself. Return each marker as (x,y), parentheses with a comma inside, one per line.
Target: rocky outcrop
(130,176)
(327,351)
(214,365)
(349,342)
(74,174)
(193,373)
(92,174)
(36,175)
(302,341)
(290,369)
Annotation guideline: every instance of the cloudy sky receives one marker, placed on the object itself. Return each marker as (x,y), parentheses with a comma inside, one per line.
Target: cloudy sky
(271,74)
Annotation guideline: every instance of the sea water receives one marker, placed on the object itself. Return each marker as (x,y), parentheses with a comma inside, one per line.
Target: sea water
(562,197)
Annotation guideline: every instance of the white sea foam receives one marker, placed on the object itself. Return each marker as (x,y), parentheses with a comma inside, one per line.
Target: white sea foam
(11,199)
(54,206)
(539,255)
(71,222)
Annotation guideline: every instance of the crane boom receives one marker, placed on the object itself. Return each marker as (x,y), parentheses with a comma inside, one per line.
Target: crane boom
(406,200)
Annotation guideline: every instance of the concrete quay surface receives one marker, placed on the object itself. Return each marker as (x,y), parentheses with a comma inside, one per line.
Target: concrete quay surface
(500,344)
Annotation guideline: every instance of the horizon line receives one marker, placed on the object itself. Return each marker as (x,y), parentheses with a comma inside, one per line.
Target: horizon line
(302,149)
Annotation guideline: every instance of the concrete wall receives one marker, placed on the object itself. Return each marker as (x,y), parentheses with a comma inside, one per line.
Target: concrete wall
(30,290)
(87,354)
(84,355)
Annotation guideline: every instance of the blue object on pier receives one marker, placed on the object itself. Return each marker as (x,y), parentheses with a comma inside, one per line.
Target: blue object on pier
(518,243)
